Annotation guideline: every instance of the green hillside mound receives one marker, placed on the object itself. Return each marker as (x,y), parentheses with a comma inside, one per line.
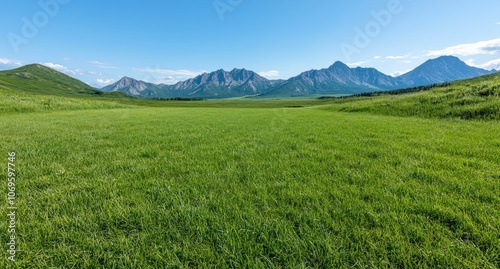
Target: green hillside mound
(36,88)
(39,79)
(473,99)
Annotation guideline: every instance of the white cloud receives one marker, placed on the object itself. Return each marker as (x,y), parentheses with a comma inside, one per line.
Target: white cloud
(271,74)
(167,76)
(94,73)
(490,65)
(5,61)
(498,23)
(102,65)
(97,63)
(180,73)
(167,80)
(407,62)
(64,69)
(377,57)
(356,64)
(489,47)
(76,72)
(397,57)
(493,64)
(57,67)
(471,62)
(104,82)
(399,73)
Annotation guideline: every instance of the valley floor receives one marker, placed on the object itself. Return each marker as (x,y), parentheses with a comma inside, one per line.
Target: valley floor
(251,188)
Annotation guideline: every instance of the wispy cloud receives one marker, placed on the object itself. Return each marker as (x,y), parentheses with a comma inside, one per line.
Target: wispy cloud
(104,82)
(490,65)
(489,47)
(5,61)
(102,65)
(94,73)
(167,76)
(97,63)
(356,64)
(471,62)
(271,74)
(75,72)
(399,57)
(57,67)
(493,64)
(167,80)
(64,69)
(377,57)
(185,73)
(498,23)
(399,73)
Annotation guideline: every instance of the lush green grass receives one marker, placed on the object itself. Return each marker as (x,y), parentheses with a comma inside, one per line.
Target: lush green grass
(474,99)
(12,102)
(234,103)
(236,188)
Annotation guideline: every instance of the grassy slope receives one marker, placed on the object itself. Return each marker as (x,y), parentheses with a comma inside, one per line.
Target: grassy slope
(477,98)
(36,88)
(38,79)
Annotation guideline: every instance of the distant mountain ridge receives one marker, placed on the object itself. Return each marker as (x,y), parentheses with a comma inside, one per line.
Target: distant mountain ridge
(221,84)
(130,86)
(442,69)
(336,79)
(217,84)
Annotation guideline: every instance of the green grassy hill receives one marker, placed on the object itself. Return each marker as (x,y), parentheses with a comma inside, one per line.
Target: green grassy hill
(36,88)
(477,98)
(39,79)
(42,80)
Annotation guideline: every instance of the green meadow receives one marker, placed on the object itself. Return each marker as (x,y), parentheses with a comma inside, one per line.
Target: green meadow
(393,181)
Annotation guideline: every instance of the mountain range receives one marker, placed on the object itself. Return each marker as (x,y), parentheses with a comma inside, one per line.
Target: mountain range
(336,79)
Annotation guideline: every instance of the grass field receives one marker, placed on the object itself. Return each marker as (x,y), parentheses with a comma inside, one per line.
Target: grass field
(113,185)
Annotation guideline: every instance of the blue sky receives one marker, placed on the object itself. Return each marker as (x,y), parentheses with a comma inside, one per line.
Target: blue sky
(99,42)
